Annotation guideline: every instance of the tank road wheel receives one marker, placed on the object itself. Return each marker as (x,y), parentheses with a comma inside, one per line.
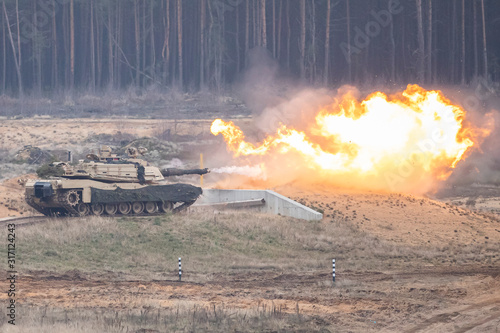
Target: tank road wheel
(110,208)
(83,209)
(137,207)
(150,207)
(72,197)
(124,207)
(166,206)
(97,209)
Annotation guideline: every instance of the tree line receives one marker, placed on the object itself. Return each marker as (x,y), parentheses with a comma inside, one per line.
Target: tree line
(49,46)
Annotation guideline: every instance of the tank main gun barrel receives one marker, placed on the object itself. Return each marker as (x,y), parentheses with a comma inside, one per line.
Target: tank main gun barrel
(179,172)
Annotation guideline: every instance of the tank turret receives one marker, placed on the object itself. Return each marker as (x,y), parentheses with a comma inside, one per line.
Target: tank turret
(108,167)
(108,184)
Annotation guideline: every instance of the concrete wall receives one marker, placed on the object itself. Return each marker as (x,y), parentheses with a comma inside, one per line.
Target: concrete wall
(275,203)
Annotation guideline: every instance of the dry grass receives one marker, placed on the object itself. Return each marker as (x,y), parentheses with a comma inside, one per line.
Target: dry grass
(224,242)
(183,318)
(240,268)
(152,102)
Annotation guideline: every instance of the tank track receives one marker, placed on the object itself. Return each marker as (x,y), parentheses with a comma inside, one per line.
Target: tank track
(182,207)
(29,200)
(72,211)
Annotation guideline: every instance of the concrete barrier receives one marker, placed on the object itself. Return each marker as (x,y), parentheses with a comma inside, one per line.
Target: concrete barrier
(274,203)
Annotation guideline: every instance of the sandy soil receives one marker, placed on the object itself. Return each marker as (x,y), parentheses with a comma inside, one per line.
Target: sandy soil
(459,298)
(57,133)
(401,218)
(12,197)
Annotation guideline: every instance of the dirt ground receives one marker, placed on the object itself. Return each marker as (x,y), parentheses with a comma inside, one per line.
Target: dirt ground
(52,133)
(458,299)
(461,296)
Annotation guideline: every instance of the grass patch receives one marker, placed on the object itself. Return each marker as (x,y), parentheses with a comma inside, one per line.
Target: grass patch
(184,318)
(148,247)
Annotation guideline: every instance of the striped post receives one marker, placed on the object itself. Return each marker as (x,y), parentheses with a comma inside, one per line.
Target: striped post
(333,264)
(180,269)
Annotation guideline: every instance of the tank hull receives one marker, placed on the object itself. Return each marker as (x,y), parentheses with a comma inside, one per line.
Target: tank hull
(80,197)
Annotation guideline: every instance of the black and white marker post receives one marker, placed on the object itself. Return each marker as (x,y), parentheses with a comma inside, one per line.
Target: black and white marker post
(180,270)
(333,264)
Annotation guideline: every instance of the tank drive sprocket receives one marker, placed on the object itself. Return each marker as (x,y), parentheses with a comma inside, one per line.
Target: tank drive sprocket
(71,198)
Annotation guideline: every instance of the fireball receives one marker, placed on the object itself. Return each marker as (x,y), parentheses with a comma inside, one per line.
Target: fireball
(394,143)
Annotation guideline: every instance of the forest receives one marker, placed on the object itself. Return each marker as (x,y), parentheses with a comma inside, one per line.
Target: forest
(54,46)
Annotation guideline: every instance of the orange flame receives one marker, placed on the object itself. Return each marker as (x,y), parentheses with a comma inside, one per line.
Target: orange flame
(415,135)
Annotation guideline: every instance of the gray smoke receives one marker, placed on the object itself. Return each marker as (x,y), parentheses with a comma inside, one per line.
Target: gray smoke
(255,171)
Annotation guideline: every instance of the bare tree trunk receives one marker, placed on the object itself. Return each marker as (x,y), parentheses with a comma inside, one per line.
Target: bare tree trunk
(84,64)
(72,44)
(152,64)
(313,42)
(165,53)
(403,75)
(19,49)
(429,44)
(16,61)
(65,35)
(137,44)
(274,29)
(220,67)
(349,55)
(254,24)
(279,28)
(264,30)
(174,62)
(463,43)
(289,34)
(202,43)
(179,39)
(99,47)
(393,48)
(420,54)
(110,48)
(258,23)
(237,41)
(247,31)
(485,53)
(302,38)
(453,41)
(119,38)
(37,52)
(55,69)
(143,45)
(327,43)
(476,59)
(435,57)
(92,48)
(4,55)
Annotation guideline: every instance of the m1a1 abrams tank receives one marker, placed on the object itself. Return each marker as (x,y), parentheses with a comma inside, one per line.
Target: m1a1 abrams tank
(108,184)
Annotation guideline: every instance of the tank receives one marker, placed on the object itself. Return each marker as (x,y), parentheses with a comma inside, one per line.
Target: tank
(107,184)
